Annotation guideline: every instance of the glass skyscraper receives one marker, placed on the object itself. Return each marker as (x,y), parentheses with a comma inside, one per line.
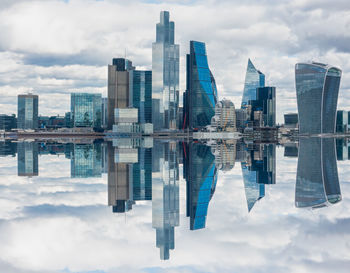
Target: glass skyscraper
(140,94)
(165,75)
(317,182)
(317,87)
(27,111)
(200,97)
(86,110)
(253,79)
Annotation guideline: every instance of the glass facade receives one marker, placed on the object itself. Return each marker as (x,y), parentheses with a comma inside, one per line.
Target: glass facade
(27,112)
(317,87)
(165,76)
(317,175)
(253,79)
(140,93)
(266,102)
(200,97)
(86,110)
(201,176)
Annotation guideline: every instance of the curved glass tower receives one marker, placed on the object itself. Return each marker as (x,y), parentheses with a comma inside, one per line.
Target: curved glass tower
(200,97)
(317,87)
(253,79)
(317,182)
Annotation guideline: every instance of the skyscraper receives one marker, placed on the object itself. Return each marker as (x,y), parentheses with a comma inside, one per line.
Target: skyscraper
(86,110)
(200,97)
(165,75)
(253,79)
(317,182)
(27,111)
(86,160)
(317,87)
(266,103)
(118,87)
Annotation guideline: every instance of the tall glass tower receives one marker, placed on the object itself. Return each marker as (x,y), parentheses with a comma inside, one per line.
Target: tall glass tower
(27,111)
(317,87)
(253,79)
(165,76)
(86,110)
(200,97)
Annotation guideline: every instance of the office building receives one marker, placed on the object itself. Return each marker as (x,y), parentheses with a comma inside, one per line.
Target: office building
(200,97)
(291,120)
(317,182)
(241,119)
(265,105)
(27,158)
(253,79)
(8,122)
(27,111)
(8,148)
(165,75)
(342,121)
(86,110)
(317,87)
(225,116)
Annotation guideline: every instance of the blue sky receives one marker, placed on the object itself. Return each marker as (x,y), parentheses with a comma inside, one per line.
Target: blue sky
(53,48)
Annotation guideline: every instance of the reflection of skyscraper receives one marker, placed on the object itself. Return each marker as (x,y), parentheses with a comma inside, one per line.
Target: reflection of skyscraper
(27,158)
(201,176)
(258,170)
(86,160)
(253,79)
(165,196)
(200,97)
(317,87)
(165,75)
(317,182)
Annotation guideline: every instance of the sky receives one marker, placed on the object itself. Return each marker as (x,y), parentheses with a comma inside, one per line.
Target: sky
(53,48)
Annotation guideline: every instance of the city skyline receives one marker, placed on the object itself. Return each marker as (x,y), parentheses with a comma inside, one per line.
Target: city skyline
(54,74)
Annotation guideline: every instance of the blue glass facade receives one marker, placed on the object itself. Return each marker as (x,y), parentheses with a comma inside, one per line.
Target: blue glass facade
(317,87)
(200,97)
(165,76)
(86,110)
(27,158)
(140,93)
(201,176)
(253,79)
(86,160)
(27,112)
(265,102)
(317,182)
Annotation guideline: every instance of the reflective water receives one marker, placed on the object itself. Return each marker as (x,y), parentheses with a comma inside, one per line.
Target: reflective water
(148,205)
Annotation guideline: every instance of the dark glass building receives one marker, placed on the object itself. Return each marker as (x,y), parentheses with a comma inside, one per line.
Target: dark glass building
(342,121)
(140,88)
(291,120)
(253,79)
(201,176)
(266,103)
(8,122)
(27,111)
(200,97)
(317,87)
(317,182)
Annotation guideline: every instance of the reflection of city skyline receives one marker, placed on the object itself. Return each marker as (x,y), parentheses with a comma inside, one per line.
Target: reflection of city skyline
(148,170)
